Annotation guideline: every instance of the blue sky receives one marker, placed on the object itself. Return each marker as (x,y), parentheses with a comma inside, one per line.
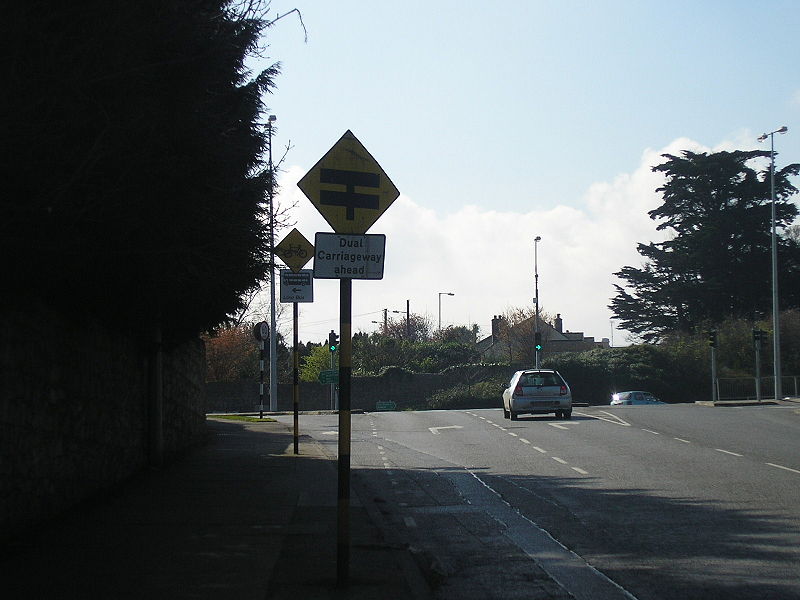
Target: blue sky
(502,121)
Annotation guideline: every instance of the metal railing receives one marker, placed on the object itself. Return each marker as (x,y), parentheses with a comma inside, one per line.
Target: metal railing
(745,388)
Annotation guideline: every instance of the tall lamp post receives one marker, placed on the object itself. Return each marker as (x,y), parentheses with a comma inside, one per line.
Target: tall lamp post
(440,306)
(536,333)
(776,336)
(273,349)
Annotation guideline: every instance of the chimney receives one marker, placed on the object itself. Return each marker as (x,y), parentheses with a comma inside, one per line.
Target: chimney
(496,323)
(558,324)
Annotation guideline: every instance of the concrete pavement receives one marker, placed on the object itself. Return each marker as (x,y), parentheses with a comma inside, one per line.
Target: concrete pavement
(239,517)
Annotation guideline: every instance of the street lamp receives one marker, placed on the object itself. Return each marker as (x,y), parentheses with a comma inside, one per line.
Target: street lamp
(536,333)
(440,306)
(273,349)
(776,337)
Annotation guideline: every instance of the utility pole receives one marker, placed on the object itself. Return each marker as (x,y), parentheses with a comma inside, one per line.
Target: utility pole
(537,334)
(273,344)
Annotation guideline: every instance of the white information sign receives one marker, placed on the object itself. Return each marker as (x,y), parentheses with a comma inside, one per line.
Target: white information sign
(345,256)
(297,287)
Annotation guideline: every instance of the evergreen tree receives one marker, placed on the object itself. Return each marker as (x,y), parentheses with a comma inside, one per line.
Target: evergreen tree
(135,185)
(717,264)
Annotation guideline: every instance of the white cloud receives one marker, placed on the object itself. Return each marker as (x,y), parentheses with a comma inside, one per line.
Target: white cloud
(485,256)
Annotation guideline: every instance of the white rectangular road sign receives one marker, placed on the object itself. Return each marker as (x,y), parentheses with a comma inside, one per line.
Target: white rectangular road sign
(297,287)
(344,256)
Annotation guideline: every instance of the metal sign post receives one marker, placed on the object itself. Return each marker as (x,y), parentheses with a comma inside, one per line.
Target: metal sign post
(296,286)
(261,333)
(350,190)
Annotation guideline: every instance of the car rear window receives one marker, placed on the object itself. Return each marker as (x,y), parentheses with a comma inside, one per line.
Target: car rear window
(539,379)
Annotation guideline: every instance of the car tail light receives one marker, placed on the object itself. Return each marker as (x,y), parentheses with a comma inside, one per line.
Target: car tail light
(563,390)
(518,391)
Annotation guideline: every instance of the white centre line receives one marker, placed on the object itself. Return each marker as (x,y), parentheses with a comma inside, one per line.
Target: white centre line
(524,441)
(684,441)
(727,452)
(784,468)
(512,433)
(559,460)
(581,471)
(540,450)
(651,431)
(557,426)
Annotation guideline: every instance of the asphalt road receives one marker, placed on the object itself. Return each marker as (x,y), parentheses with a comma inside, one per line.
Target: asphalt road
(647,502)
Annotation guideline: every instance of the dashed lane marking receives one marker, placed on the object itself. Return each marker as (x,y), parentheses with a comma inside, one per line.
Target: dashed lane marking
(558,426)
(682,440)
(784,468)
(651,431)
(540,450)
(512,434)
(559,460)
(524,441)
(579,470)
(727,452)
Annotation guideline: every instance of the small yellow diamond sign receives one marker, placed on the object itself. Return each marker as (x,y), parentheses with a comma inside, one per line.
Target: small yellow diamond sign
(348,187)
(294,250)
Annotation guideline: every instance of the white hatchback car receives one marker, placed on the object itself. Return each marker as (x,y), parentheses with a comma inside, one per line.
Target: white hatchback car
(537,391)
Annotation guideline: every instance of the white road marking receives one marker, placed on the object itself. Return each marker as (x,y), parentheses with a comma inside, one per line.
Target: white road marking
(540,450)
(557,426)
(684,441)
(581,471)
(727,452)
(611,418)
(559,460)
(651,431)
(784,468)
(330,433)
(512,433)
(380,447)
(435,430)
(524,441)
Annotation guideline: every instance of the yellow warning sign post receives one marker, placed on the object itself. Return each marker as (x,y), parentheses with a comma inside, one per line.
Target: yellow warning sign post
(350,190)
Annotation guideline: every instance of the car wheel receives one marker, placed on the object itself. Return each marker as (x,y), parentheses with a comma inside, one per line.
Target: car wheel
(559,414)
(567,414)
(512,415)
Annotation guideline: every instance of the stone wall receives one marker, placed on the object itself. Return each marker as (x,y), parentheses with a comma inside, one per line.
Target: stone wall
(403,388)
(73,411)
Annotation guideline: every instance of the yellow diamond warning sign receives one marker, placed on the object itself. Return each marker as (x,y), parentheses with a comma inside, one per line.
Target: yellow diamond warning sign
(348,187)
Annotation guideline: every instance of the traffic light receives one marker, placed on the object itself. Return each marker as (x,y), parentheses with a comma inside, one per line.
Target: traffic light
(712,338)
(537,338)
(333,341)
